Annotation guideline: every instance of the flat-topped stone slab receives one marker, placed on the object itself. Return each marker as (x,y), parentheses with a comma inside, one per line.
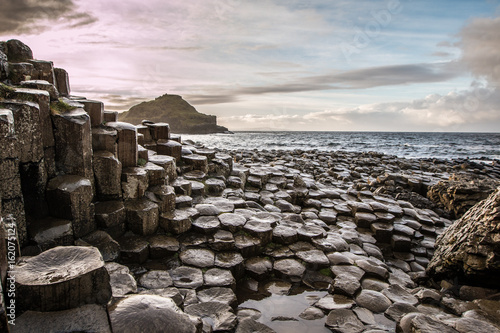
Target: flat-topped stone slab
(162,246)
(109,248)
(51,232)
(159,131)
(198,257)
(155,279)
(217,315)
(167,163)
(142,216)
(187,277)
(149,313)
(62,278)
(196,161)
(122,282)
(110,215)
(42,85)
(170,148)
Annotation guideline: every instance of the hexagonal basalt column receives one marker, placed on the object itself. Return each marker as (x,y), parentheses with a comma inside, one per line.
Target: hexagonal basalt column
(142,216)
(110,116)
(111,216)
(127,143)
(43,70)
(197,162)
(168,163)
(159,131)
(42,85)
(105,138)
(62,81)
(144,130)
(95,109)
(70,197)
(107,172)
(19,72)
(43,99)
(170,148)
(27,128)
(62,278)
(73,143)
(134,183)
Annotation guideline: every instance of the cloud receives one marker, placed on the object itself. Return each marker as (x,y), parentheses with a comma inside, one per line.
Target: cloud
(472,109)
(210,99)
(480,42)
(355,79)
(32,16)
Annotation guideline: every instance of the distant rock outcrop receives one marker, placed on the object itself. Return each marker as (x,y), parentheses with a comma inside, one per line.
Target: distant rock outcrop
(174,110)
(470,247)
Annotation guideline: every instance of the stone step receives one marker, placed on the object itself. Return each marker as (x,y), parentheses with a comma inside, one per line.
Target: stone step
(70,197)
(51,232)
(61,278)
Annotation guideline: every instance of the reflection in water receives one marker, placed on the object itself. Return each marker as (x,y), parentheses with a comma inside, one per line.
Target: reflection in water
(280,311)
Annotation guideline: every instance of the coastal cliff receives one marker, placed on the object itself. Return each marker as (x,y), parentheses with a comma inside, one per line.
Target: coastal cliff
(178,113)
(111,227)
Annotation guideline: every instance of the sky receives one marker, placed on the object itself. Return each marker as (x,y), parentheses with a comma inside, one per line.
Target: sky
(302,65)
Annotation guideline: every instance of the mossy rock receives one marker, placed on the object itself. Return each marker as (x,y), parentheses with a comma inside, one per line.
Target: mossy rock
(61,107)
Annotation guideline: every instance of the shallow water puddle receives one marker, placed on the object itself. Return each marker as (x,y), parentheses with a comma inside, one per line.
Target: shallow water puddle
(281,312)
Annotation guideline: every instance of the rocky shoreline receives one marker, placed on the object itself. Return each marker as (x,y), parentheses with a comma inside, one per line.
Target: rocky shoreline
(126,228)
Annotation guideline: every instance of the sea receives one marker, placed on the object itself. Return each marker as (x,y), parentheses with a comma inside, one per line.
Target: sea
(482,147)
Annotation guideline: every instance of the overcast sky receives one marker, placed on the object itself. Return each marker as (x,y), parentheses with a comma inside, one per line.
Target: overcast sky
(384,65)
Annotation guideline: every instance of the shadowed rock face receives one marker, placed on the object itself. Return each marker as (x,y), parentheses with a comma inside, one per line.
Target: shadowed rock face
(470,248)
(87,318)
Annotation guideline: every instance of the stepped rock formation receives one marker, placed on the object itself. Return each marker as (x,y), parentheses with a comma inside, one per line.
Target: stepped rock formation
(459,193)
(107,226)
(470,247)
(174,110)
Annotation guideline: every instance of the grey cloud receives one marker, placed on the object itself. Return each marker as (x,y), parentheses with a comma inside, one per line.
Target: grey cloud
(388,76)
(442,54)
(355,79)
(481,48)
(210,99)
(26,16)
